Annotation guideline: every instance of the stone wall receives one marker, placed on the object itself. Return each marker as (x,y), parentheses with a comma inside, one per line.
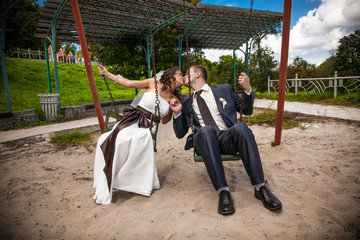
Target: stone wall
(18,119)
(24,118)
(88,110)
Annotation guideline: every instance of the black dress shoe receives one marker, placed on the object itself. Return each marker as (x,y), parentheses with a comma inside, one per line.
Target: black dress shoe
(226,206)
(269,200)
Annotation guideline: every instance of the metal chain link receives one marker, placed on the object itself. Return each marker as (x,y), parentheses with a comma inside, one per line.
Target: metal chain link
(98,56)
(246,56)
(157,101)
(188,74)
(249,22)
(188,69)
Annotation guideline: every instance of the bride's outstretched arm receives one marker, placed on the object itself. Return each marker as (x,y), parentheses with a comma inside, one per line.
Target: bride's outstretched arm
(167,118)
(124,82)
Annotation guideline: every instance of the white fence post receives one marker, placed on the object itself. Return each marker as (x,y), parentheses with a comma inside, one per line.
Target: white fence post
(49,105)
(296,84)
(335,85)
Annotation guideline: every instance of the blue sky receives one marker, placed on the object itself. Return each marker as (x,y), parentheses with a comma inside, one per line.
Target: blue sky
(302,6)
(316,26)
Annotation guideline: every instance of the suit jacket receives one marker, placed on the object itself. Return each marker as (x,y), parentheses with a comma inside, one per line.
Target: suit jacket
(229,112)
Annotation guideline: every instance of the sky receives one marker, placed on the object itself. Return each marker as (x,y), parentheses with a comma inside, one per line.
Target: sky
(316,27)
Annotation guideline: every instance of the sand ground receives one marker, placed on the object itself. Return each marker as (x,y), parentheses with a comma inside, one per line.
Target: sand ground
(46,191)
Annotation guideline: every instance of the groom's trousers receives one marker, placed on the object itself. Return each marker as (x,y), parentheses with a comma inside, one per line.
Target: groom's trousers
(237,139)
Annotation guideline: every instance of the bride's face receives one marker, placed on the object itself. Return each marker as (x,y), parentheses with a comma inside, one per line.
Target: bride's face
(179,79)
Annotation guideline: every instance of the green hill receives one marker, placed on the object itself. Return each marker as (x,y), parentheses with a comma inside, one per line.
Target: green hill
(27,79)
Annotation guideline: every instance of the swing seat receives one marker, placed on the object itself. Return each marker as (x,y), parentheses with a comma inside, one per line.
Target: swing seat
(113,115)
(224,157)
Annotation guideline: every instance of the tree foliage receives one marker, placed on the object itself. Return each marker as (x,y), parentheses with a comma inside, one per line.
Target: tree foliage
(225,69)
(262,65)
(20,26)
(166,48)
(347,61)
(302,68)
(327,68)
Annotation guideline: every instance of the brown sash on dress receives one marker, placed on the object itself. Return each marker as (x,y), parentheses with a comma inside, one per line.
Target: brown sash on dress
(131,115)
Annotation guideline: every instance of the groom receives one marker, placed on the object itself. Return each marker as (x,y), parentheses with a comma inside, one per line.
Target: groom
(217,132)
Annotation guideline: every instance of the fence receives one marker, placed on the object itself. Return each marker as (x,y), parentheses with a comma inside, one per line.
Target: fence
(26,53)
(40,55)
(317,85)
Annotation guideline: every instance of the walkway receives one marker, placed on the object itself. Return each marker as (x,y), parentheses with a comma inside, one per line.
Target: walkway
(347,113)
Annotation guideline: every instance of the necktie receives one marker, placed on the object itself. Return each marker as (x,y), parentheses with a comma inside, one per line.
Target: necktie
(205,112)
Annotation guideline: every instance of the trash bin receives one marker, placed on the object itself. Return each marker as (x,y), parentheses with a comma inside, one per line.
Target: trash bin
(49,105)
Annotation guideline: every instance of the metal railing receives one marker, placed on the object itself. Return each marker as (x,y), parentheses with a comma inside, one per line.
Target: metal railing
(40,55)
(26,53)
(317,85)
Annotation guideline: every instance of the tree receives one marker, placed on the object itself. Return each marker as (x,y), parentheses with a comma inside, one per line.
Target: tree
(347,61)
(262,64)
(194,1)
(121,57)
(327,68)
(20,26)
(166,47)
(225,69)
(302,68)
(121,60)
(68,47)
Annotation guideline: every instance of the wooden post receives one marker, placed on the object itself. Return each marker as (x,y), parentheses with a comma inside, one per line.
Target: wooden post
(85,53)
(283,70)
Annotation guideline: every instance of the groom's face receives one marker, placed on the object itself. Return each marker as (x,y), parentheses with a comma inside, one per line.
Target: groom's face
(188,78)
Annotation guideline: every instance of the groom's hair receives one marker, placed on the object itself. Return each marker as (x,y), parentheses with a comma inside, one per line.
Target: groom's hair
(202,70)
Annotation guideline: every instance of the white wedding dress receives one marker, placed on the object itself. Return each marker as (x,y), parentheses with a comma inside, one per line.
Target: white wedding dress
(134,168)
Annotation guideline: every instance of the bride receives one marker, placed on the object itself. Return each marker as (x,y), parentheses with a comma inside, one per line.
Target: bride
(124,158)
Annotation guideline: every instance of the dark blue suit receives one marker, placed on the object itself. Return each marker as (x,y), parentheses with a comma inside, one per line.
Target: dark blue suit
(238,138)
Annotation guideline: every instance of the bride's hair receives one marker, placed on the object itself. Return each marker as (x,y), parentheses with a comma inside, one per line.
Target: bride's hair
(167,78)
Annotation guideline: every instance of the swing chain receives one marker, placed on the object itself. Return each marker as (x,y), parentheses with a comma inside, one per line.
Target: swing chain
(249,20)
(188,69)
(98,56)
(157,101)
(188,74)
(156,117)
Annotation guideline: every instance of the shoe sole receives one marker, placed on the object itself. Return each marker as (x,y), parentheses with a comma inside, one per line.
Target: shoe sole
(227,213)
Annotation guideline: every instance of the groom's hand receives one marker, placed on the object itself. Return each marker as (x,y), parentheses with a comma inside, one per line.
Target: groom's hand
(244,82)
(175,106)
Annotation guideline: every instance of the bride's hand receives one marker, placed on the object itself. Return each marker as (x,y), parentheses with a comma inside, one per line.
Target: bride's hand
(175,106)
(102,70)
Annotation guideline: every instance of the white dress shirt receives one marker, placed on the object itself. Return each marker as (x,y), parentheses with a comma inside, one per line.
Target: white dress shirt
(209,98)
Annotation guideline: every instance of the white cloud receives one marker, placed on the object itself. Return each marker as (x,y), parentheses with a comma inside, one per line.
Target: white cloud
(319,32)
(314,35)
(213,55)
